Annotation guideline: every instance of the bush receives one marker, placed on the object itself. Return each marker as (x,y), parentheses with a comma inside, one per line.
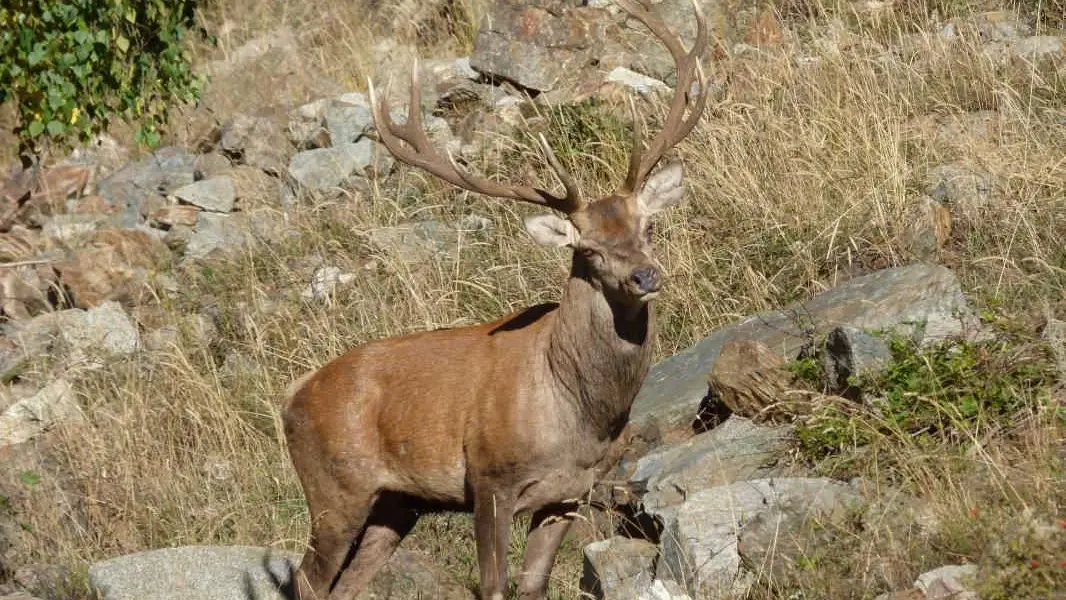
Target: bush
(71,67)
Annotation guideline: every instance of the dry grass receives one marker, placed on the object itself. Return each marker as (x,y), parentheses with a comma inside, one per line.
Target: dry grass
(804,173)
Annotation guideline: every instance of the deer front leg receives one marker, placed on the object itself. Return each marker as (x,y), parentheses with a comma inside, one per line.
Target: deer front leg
(546,532)
(493,513)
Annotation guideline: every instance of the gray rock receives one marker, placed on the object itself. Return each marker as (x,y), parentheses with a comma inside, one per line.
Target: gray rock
(664,590)
(700,541)
(306,125)
(961,186)
(618,568)
(414,243)
(647,55)
(215,233)
(30,417)
(212,164)
(348,118)
(324,168)
(736,450)
(948,583)
(852,353)
(642,84)
(216,194)
(67,227)
(256,141)
(536,48)
(922,300)
(324,282)
(163,171)
(194,572)
(1038,47)
(77,337)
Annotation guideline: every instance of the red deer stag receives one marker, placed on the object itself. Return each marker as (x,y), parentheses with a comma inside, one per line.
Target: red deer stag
(511,417)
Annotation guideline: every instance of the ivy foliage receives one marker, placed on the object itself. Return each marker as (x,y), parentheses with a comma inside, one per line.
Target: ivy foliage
(71,66)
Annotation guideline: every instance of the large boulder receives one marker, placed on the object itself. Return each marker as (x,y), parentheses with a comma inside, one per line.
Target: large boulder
(921,300)
(242,572)
(538,45)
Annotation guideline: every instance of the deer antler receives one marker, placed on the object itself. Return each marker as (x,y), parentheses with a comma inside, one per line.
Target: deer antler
(688,68)
(419,152)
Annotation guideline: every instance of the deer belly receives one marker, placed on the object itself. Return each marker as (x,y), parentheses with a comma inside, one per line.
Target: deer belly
(429,475)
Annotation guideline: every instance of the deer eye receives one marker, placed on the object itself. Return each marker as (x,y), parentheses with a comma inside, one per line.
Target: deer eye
(591,255)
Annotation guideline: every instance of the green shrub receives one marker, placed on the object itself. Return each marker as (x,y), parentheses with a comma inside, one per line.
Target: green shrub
(71,67)
(945,392)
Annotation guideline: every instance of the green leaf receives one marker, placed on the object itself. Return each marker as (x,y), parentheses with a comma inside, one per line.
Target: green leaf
(36,128)
(30,478)
(55,128)
(123,43)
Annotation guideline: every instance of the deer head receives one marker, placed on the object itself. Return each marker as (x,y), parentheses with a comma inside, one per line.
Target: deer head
(611,236)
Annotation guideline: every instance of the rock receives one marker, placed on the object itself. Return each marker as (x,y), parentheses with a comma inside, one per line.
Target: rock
(256,141)
(734,451)
(280,42)
(642,84)
(77,337)
(644,53)
(664,590)
(64,228)
(164,171)
(204,572)
(851,354)
(900,298)
(324,168)
(18,244)
(1039,47)
(255,188)
(700,541)
(240,572)
(113,265)
(211,165)
(30,417)
(537,48)
(306,130)
(930,227)
(618,568)
(175,214)
(216,194)
(215,233)
(947,583)
(324,281)
(750,379)
(959,185)
(348,118)
(25,290)
(414,243)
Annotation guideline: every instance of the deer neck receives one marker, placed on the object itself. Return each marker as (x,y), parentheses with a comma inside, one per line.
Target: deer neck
(599,353)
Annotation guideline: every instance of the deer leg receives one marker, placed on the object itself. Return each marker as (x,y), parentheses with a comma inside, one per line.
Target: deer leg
(390,521)
(332,535)
(493,513)
(546,532)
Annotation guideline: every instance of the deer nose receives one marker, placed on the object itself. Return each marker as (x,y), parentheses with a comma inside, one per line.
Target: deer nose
(646,279)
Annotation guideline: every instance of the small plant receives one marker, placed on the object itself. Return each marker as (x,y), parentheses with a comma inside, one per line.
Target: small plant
(945,392)
(71,67)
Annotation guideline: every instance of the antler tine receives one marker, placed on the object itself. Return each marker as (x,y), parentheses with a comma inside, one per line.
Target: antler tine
(419,152)
(688,68)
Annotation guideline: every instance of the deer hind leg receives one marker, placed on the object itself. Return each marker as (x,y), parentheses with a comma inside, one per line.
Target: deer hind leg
(493,513)
(391,519)
(332,535)
(547,529)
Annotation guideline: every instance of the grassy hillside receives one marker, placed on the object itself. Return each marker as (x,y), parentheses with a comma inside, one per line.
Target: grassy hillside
(807,169)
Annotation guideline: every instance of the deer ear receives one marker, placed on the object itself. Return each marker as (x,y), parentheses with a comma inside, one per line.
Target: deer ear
(550,230)
(662,190)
